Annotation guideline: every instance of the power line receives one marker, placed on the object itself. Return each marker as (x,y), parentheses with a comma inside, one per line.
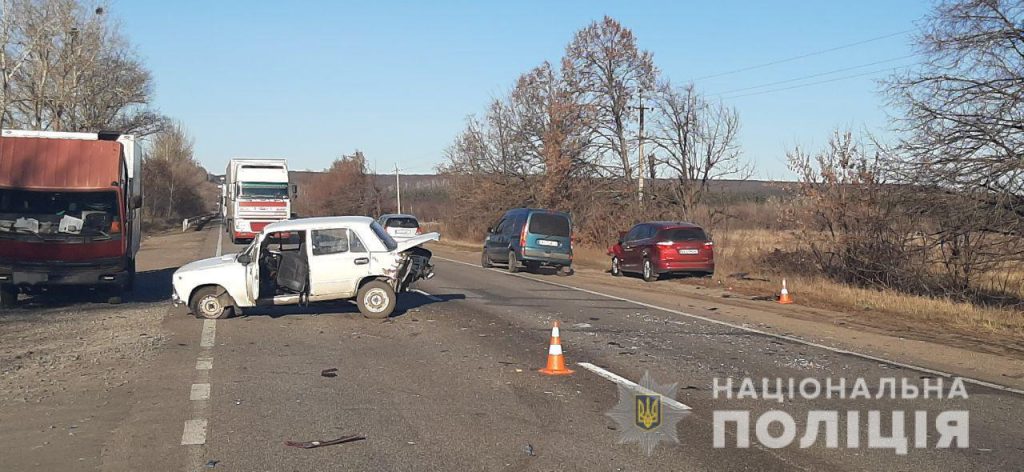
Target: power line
(854,76)
(820,74)
(802,56)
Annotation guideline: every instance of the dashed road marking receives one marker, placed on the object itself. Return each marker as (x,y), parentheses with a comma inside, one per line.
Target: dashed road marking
(220,239)
(204,364)
(209,336)
(805,342)
(200,392)
(195,433)
(608,375)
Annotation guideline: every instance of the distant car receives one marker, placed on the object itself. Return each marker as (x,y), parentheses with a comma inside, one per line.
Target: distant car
(293,262)
(400,226)
(530,238)
(663,247)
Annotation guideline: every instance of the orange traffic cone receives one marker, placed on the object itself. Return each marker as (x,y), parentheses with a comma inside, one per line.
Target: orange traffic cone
(556,363)
(784,297)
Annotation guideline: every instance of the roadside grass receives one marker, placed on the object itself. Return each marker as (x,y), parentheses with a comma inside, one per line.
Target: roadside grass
(740,267)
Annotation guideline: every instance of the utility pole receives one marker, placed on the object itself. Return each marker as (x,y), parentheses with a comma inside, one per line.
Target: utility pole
(641,161)
(398,189)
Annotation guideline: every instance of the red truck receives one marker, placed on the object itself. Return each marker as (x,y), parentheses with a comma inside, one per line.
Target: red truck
(70,212)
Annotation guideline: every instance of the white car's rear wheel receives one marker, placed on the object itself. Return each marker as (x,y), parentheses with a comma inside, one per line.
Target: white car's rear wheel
(376,300)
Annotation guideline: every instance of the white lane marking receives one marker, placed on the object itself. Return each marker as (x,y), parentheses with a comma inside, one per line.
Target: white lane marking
(425,294)
(209,336)
(220,239)
(631,385)
(200,392)
(836,350)
(195,433)
(204,364)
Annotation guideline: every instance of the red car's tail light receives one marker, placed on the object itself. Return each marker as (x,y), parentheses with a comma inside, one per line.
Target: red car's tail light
(709,244)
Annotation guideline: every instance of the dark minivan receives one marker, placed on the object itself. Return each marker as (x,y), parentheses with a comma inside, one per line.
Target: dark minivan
(530,238)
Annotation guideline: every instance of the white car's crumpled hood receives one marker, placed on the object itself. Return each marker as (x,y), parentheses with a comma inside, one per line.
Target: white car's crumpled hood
(416,241)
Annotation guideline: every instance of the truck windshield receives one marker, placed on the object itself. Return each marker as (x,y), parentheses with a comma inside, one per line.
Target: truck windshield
(28,214)
(265,189)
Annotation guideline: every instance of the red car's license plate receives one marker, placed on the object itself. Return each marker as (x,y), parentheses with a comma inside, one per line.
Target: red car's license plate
(689,251)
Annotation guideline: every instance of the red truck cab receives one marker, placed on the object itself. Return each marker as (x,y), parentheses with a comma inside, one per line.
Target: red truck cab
(69,212)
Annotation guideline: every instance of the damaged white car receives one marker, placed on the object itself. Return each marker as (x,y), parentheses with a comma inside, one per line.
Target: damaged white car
(305,260)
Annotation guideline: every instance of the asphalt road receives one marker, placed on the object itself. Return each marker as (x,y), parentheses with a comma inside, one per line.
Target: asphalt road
(450,382)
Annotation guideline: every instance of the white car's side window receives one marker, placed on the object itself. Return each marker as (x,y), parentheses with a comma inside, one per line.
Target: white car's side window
(355,245)
(331,241)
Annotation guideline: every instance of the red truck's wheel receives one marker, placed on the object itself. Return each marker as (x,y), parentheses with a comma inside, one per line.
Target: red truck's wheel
(8,296)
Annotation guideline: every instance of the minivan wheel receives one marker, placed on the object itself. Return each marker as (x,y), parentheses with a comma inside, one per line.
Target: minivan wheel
(209,304)
(513,262)
(485,260)
(649,274)
(376,300)
(565,271)
(616,268)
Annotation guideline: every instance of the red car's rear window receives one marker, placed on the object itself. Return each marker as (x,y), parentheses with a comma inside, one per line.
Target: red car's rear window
(683,234)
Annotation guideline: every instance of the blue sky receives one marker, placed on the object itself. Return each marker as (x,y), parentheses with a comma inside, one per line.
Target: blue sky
(312,80)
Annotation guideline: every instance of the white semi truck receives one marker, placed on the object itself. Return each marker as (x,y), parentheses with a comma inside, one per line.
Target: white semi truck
(256,193)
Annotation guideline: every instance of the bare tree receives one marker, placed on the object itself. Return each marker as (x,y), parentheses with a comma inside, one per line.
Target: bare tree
(606,68)
(964,106)
(963,136)
(174,181)
(550,125)
(74,72)
(697,140)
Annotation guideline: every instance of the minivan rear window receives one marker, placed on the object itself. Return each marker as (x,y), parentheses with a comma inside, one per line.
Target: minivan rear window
(683,234)
(550,224)
(402,222)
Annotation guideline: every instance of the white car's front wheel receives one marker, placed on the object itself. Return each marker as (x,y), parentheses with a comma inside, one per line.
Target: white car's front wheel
(376,300)
(211,303)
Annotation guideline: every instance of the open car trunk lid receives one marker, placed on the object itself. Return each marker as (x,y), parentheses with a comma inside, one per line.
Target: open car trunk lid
(416,241)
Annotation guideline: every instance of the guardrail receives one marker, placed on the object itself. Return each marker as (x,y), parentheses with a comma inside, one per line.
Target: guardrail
(197,222)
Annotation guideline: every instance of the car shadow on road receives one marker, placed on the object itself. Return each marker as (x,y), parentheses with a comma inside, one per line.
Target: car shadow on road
(407,302)
(150,287)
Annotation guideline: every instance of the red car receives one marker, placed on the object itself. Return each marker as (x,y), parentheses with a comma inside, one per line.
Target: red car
(662,247)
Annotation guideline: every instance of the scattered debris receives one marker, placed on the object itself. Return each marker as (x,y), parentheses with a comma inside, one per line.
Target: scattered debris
(330,373)
(212,463)
(529,450)
(238,402)
(315,444)
(764,298)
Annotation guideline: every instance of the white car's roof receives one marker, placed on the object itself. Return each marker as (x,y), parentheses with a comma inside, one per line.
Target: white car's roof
(398,215)
(321,222)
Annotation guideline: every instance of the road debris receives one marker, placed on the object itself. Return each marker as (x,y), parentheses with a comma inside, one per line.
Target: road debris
(332,442)
(212,463)
(529,450)
(329,373)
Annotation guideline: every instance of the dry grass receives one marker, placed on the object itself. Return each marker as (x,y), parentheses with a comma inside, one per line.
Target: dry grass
(741,251)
